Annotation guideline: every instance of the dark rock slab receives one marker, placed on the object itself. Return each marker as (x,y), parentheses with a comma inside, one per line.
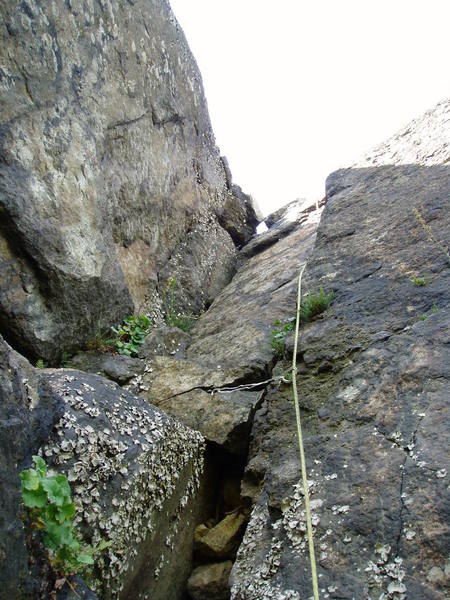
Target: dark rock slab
(113,366)
(374,392)
(25,423)
(235,332)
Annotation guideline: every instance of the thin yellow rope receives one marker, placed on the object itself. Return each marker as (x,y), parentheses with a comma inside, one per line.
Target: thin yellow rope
(312,557)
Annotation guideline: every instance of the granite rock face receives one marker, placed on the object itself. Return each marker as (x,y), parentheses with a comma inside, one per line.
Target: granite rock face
(235,332)
(110,180)
(373,384)
(135,474)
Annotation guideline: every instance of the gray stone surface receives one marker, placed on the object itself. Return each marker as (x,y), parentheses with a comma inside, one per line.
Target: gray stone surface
(110,178)
(135,475)
(113,366)
(210,582)
(374,390)
(235,332)
(165,341)
(192,394)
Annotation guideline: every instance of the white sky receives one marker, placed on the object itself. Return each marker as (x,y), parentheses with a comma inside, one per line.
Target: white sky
(298,88)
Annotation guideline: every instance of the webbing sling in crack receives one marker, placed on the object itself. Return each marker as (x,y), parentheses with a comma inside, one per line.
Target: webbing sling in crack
(312,557)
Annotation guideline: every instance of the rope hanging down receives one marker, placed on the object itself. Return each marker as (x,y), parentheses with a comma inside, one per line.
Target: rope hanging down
(312,557)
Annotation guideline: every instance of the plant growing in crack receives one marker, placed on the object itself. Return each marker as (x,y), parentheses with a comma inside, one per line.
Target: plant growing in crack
(278,336)
(131,334)
(173,317)
(51,511)
(312,305)
(420,281)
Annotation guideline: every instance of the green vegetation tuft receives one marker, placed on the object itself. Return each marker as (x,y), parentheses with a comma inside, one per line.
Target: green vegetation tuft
(51,510)
(131,334)
(173,317)
(314,304)
(311,306)
(40,364)
(278,335)
(420,281)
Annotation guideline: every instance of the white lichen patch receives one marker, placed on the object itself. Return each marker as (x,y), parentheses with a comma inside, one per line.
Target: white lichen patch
(254,579)
(124,460)
(385,576)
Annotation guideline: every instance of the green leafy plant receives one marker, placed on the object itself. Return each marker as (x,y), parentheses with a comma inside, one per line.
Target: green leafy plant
(49,502)
(40,364)
(173,317)
(435,308)
(131,334)
(278,336)
(314,304)
(420,281)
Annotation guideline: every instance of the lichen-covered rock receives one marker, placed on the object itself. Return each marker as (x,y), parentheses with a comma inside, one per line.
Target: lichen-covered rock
(110,178)
(135,475)
(373,385)
(210,582)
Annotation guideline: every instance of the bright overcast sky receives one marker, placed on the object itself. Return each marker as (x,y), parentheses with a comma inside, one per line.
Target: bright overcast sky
(298,88)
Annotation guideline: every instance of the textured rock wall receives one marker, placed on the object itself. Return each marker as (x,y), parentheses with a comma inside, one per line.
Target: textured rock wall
(374,389)
(110,180)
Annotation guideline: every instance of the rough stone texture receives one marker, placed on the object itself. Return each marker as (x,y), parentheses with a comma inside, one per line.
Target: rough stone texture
(134,474)
(113,366)
(210,582)
(222,540)
(191,393)
(110,179)
(25,423)
(235,332)
(165,341)
(423,141)
(239,216)
(374,392)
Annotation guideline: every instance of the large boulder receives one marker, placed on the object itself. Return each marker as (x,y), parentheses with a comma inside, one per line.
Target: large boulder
(136,477)
(110,180)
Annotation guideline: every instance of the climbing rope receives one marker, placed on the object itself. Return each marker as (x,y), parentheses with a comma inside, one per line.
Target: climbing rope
(312,557)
